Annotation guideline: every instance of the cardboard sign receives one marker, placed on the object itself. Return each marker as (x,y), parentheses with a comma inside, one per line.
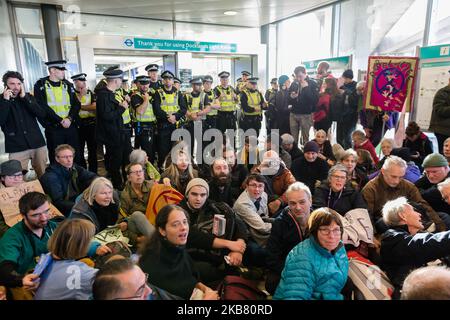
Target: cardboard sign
(110,235)
(9,201)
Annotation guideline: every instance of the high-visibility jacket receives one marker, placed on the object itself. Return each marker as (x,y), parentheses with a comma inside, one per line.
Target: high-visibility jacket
(169,101)
(58,98)
(226,100)
(211,97)
(120,97)
(148,115)
(253,101)
(85,101)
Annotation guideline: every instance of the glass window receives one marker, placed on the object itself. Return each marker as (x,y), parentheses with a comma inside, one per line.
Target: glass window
(369,27)
(71,55)
(440,23)
(75,24)
(29,21)
(305,37)
(32,56)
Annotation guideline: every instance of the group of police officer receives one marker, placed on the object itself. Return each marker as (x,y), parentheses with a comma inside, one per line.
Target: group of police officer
(152,109)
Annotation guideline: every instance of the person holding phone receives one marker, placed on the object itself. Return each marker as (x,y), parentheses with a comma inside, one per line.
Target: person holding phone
(19,113)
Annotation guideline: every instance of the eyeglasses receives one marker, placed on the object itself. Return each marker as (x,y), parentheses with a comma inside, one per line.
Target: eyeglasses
(66,157)
(339,177)
(139,291)
(17,175)
(137,172)
(327,232)
(256,186)
(39,214)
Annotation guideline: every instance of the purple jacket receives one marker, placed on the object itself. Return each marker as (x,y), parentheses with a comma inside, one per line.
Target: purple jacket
(412,173)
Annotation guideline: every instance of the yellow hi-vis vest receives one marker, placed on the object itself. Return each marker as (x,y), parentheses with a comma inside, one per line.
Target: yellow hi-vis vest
(85,101)
(254,101)
(169,101)
(211,97)
(120,97)
(58,98)
(227,103)
(148,115)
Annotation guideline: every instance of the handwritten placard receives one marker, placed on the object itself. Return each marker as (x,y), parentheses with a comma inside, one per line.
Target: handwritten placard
(110,235)
(9,201)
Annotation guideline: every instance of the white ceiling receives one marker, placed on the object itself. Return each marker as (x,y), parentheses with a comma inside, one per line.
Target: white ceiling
(251,13)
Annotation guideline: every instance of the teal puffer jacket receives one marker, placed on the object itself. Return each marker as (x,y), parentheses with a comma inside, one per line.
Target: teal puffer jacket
(313,273)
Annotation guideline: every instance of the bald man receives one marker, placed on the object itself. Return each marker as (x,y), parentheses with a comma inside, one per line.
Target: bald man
(427,283)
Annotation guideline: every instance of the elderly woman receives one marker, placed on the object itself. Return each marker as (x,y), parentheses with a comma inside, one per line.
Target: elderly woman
(140,156)
(387,145)
(356,175)
(180,170)
(325,149)
(166,260)
(404,247)
(337,193)
(317,268)
(446,150)
(69,243)
(100,204)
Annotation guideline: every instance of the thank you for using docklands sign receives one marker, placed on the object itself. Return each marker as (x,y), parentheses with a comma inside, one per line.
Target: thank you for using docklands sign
(180,45)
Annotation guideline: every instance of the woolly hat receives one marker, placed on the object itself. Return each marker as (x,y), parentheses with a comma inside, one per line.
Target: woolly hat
(348,74)
(197,182)
(282,79)
(435,160)
(311,146)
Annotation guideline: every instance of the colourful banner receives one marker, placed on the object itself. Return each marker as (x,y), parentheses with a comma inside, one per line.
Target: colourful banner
(390,83)
(161,196)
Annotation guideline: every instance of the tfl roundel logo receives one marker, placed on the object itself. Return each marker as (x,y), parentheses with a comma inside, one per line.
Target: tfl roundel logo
(128,42)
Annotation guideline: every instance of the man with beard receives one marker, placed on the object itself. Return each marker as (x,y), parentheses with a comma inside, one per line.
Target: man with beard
(220,184)
(288,229)
(239,172)
(278,178)
(25,241)
(202,216)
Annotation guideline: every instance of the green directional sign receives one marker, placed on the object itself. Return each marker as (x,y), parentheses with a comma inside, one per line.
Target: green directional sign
(435,52)
(180,45)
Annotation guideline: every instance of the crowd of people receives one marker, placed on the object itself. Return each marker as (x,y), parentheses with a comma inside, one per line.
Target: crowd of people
(282,214)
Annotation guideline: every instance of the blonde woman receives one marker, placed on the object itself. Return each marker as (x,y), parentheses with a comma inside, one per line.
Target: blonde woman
(180,170)
(66,278)
(100,204)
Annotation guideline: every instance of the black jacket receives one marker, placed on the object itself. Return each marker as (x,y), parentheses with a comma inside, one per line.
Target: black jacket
(228,195)
(55,183)
(422,145)
(238,175)
(109,118)
(307,100)
(349,100)
(282,102)
(440,116)
(434,198)
(342,203)
(19,125)
(423,184)
(402,252)
(309,172)
(52,120)
(295,153)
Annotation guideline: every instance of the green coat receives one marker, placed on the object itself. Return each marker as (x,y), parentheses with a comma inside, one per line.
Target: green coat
(129,201)
(440,117)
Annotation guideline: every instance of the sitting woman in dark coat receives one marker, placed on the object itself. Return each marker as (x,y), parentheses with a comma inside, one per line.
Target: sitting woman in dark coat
(338,194)
(403,247)
(166,260)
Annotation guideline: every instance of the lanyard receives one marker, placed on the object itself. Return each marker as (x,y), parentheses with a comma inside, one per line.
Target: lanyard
(300,233)
(335,201)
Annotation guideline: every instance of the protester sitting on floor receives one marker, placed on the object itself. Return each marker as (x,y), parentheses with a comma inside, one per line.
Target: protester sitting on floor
(439,199)
(360,141)
(317,268)
(325,149)
(180,170)
(239,172)
(64,181)
(287,143)
(140,156)
(365,161)
(386,145)
(220,186)
(11,175)
(357,176)
(288,229)
(69,243)
(404,247)
(427,283)
(310,169)
(100,204)
(418,143)
(337,193)
(435,169)
(283,154)
(446,150)
(166,260)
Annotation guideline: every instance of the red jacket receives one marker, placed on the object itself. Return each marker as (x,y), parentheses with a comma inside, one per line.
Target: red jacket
(367,145)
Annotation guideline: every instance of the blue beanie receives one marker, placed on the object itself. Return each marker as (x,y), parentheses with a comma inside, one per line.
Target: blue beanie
(282,79)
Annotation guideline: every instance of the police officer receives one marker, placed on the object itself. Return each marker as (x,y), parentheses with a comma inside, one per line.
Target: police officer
(112,130)
(177,83)
(152,71)
(102,83)
(270,99)
(211,117)
(169,107)
(86,126)
(244,81)
(252,103)
(57,96)
(226,118)
(145,120)
(198,106)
